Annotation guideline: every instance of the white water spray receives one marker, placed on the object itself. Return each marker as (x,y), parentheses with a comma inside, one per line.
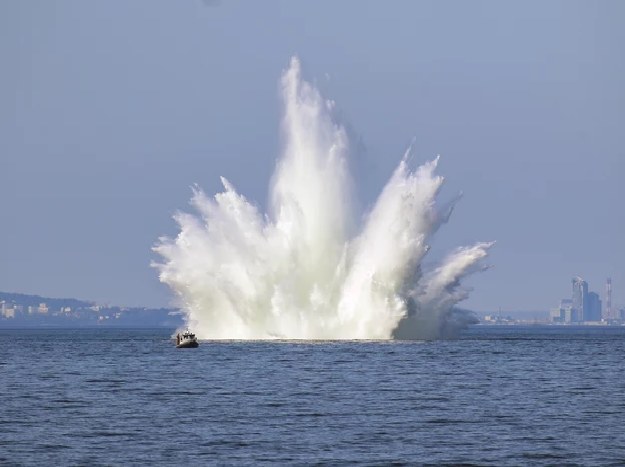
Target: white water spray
(300,272)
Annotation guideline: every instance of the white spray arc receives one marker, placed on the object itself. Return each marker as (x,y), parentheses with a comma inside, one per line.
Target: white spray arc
(301,272)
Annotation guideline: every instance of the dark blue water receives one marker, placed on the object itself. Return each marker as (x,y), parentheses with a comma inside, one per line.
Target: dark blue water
(497,396)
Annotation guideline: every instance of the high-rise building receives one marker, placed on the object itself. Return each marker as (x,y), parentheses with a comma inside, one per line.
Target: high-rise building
(580,298)
(564,313)
(593,312)
(608,299)
(566,305)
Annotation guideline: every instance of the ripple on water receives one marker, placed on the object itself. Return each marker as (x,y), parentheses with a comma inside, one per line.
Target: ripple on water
(486,399)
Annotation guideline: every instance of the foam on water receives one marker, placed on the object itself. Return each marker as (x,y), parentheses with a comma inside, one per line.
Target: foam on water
(302,271)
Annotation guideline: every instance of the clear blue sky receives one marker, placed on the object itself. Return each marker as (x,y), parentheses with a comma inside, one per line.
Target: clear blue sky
(110,110)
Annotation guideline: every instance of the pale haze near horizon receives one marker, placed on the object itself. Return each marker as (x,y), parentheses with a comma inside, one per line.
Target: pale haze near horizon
(112,110)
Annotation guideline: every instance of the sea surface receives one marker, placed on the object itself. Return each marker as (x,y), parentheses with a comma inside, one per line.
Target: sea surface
(496,396)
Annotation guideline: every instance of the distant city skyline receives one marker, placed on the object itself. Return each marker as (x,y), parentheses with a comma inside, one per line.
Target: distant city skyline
(585,305)
(114,109)
(21,310)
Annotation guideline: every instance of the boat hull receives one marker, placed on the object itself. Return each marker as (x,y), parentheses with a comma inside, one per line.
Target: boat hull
(187,345)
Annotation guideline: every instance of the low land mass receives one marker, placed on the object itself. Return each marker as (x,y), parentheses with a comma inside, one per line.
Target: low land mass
(23,311)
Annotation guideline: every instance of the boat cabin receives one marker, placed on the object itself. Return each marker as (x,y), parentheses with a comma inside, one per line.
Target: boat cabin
(186,339)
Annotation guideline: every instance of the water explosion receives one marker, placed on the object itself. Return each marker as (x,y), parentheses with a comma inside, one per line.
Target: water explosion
(301,272)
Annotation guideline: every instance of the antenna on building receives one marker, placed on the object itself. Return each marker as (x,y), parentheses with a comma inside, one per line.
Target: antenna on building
(608,299)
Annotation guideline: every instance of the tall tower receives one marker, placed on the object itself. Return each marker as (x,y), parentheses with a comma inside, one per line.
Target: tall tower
(580,299)
(608,299)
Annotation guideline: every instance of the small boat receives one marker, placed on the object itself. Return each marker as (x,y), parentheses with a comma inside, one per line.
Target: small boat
(186,340)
